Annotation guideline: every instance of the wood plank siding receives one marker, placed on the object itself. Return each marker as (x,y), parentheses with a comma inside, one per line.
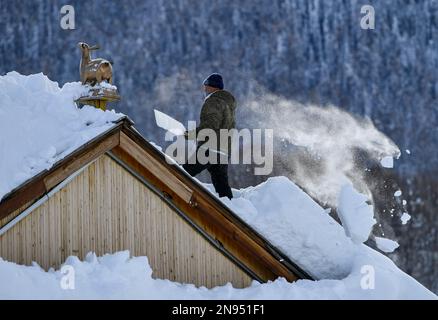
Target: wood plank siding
(106,209)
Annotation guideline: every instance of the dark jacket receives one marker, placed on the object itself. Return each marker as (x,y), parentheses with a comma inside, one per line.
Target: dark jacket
(218,112)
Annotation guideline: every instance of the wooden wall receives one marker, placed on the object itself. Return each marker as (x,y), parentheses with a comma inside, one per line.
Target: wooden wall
(105,209)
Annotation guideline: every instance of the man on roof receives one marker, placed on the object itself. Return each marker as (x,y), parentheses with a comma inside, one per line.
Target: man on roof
(218,112)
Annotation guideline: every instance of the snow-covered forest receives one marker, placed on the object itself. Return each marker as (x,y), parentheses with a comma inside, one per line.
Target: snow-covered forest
(305,51)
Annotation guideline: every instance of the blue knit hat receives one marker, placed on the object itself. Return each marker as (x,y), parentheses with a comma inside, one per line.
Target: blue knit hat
(214,80)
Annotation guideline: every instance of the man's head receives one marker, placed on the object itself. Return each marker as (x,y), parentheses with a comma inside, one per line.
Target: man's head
(213,83)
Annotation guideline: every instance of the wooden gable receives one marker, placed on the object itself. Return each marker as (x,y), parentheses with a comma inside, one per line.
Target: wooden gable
(105,209)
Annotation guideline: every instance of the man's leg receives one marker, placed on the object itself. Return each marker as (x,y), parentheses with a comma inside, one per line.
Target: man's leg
(195,169)
(219,178)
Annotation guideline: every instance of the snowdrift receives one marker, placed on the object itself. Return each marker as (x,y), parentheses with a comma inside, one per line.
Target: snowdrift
(40,125)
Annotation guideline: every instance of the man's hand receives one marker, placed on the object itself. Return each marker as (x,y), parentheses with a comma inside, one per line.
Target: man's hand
(190,135)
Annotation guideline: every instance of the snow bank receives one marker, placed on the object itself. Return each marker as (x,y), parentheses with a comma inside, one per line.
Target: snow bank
(118,276)
(281,212)
(40,124)
(298,226)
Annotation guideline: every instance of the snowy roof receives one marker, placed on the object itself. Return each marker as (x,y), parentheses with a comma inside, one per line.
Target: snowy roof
(41,126)
(89,133)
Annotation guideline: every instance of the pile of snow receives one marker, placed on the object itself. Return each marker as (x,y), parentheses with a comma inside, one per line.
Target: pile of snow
(281,212)
(40,124)
(118,276)
(293,222)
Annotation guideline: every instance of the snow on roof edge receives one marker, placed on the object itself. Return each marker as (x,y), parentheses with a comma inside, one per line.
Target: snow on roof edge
(41,124)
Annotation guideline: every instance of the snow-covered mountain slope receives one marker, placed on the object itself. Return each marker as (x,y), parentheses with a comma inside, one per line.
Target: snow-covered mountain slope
(40,124)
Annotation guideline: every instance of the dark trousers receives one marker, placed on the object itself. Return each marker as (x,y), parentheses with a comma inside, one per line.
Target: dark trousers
(218,173)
